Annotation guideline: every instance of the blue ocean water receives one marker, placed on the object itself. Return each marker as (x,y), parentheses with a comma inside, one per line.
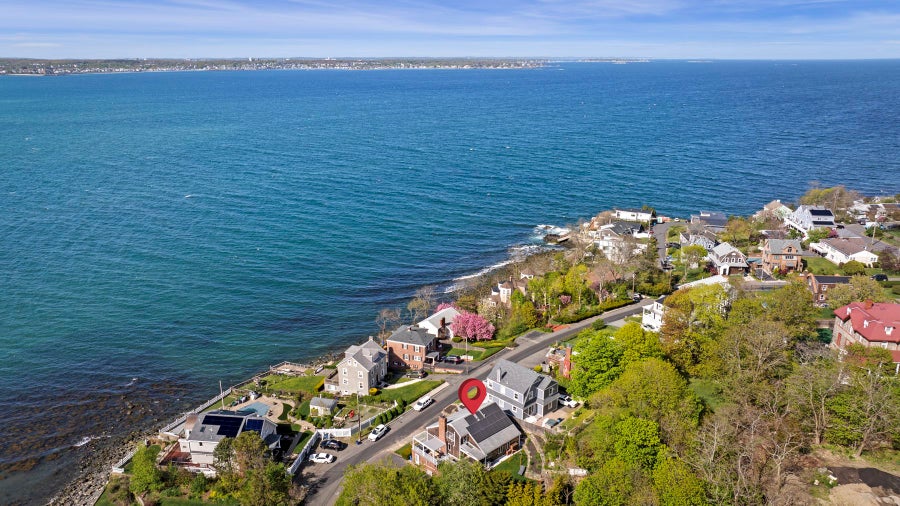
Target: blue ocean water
(161,232)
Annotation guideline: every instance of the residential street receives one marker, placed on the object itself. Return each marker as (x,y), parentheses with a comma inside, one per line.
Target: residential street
(327,477)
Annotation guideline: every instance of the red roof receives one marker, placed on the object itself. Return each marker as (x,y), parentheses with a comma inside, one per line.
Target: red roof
(877,322)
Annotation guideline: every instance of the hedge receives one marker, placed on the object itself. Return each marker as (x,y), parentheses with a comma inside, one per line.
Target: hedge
(591,311)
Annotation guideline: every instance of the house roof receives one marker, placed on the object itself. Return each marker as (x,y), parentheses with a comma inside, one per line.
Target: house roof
(323,402)
(447,314)
(711,219)
(489,428)
(219,424)
(514,376)
(724,249)
(831,280)
(774,205)
(632,210)
(779,245)
(847,245)
(877,322)
(367,354)
(412,334)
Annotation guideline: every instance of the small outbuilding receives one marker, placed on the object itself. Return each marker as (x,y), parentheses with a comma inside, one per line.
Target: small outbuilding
(322,406)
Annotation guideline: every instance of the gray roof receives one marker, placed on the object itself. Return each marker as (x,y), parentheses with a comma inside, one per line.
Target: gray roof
(724,249)
(779,245)
(847,246)
(489,428)
(831,280)
(412,334)
(712,218)
(514,376)
(367,354)
(323,402)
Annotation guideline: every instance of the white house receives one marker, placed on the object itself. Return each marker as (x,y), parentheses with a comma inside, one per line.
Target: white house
(728,260)
(807,218)
(204,431)
(652,317)
(439,323)
(627,214)
(842,250)
(774,209)
(613,239)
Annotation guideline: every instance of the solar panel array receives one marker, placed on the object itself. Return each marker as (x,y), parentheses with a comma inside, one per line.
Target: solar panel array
(254,424)
(228,426)
(492,421)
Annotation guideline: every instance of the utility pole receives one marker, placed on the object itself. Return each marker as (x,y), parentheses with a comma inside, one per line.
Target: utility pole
(358,420)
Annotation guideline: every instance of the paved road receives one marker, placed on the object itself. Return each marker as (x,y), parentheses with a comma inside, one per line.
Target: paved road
(327,477)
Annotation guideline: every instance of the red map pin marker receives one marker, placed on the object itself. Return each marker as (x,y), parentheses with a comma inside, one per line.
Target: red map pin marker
(472,403)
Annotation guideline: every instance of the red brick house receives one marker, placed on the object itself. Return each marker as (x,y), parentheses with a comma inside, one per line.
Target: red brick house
(782,255)
(409,346)
(821,284)
(869,324)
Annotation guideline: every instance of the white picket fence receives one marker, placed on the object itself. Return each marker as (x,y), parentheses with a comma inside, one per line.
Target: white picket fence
(354,429)
(119,467)
(301,457)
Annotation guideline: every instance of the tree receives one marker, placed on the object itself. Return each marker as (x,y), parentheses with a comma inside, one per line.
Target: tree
(835,198)
(637,343)
(614,484)
(889,261)
(421,304)
(853,268)
(266,486)
(867,411)
(388,318)
(739,231)
(811,388)
(792,307)
(676,484)
(145,475)
(637,441)
(376,484)
(472,326)
(597,363)
(859,288)
(693,319)
(653,389)
(753,355)
(691,256)
(466,483)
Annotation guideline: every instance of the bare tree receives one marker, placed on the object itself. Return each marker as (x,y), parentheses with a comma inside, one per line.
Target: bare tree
(387,318)
(422,303)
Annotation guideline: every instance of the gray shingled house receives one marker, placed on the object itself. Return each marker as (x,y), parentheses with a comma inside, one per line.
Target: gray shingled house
(362,368)
(521,391)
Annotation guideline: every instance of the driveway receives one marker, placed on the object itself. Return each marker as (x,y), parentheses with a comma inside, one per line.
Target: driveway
(327,481)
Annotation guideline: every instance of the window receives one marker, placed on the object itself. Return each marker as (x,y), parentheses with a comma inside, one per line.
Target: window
(344,371)
(417,358)
(404,346)
(515,409)
(821,296)
(346,381)
(416,349)
(824,288)
(360,385)
(359,374)
(516,396)
(405,356)
(789,257)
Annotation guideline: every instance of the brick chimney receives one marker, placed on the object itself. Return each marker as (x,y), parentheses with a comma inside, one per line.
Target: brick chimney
(442,429)
(868,303)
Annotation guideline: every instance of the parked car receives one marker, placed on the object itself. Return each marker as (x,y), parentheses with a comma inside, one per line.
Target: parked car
(377,432)
(565,400)
(552,422)
(321,458)
(880,277)
(333,444)
(423,403)
(453,359)
(416,373)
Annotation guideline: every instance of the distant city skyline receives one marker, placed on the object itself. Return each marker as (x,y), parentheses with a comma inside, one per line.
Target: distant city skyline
(719,29)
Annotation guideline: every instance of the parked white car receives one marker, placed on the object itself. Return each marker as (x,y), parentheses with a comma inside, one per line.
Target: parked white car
(423,403)
(377,432)
(565,400)
(321,458)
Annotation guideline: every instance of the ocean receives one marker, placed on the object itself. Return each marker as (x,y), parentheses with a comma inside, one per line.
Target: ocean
(165,231)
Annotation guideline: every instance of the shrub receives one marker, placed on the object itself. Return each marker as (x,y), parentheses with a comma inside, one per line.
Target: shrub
(373,391)
(199,484)
(598,324)
(456,339)
(538,368)
(853,268)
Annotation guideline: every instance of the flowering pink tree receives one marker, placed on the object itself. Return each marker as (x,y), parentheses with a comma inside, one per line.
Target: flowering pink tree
(472,326)
(565,299)
(445,305)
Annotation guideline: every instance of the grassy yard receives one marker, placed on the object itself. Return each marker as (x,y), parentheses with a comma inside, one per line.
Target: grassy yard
(512,464)
(303,439)
(404,451)
(476,353)
(819,265)
(709,391)
(283,383)
(409,393)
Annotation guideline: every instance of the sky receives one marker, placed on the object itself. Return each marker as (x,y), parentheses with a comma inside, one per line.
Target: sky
(720,29)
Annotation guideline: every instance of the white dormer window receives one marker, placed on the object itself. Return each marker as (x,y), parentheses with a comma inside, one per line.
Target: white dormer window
(865,324)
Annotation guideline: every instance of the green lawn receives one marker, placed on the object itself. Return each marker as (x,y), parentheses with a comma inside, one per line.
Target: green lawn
(819,265)
(404,451)
(303,439)
(709,391)
(476,354)
(409,393)
(283,383)
(512,464)
(285,409)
